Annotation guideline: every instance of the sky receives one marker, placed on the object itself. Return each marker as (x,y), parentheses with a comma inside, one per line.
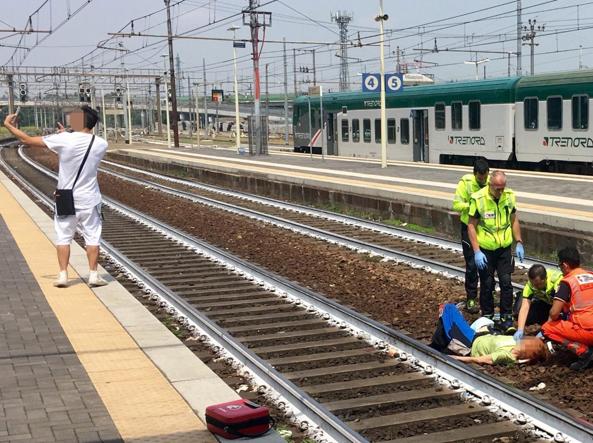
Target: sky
(477,30)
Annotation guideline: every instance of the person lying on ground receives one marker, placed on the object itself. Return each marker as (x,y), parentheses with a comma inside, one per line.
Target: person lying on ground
(478,344)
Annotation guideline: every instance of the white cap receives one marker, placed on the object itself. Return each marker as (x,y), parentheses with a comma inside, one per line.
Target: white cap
(480,323)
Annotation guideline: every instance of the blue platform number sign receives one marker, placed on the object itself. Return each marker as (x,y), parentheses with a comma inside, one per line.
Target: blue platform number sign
(370,83)
(393,83)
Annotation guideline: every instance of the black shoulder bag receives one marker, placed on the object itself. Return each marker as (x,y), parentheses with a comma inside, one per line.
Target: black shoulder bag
(65,197)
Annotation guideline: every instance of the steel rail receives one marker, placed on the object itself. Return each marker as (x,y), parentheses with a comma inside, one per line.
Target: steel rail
(542,415)
(314,212)
(300,400)
(320,213)
(430,265)
(349,242)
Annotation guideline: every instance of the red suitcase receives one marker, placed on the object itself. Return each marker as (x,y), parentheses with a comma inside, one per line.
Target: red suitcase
(239,418)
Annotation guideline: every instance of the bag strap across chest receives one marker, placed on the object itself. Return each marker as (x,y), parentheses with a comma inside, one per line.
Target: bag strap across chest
(86,155)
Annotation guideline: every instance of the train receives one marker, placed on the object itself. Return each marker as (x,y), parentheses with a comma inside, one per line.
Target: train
(536,122)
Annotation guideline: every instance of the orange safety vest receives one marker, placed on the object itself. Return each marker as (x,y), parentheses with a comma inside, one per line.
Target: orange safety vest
(581,297)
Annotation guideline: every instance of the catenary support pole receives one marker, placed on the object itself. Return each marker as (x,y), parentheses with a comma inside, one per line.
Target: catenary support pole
(129,110)
(174,116)
(167,115)
(236,83)
(381,19)
(285,94)
(104,114)
(206,125)
(159,113)
(519,44)
(10,80)
(294,71)
(196,95)
(189,106)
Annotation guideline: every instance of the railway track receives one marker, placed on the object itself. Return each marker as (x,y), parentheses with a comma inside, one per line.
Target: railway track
(391,242)
(333,366)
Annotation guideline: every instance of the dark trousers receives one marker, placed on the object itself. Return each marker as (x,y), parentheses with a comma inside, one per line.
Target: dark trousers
(539,310)
(471,271)
(500,261)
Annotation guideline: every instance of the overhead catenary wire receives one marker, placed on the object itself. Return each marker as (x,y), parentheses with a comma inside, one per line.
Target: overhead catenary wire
(142,56)
(52,29)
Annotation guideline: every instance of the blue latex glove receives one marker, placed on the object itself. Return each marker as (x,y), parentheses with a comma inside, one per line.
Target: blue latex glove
(480,260)
(518,335)
(520,252)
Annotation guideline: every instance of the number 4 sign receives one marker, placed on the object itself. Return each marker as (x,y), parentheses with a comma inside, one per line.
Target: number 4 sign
(370,83)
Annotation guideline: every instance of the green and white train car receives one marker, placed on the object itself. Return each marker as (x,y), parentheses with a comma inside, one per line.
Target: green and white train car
(538,121)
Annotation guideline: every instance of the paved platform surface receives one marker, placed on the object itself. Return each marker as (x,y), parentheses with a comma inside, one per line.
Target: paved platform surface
(557,200)
(88,365)
(45,393)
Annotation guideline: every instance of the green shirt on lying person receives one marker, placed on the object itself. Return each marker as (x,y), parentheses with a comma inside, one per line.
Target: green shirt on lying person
(497,346)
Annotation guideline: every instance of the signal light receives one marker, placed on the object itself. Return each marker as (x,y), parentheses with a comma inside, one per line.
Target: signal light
(118,93)
(84,92)
(23,92)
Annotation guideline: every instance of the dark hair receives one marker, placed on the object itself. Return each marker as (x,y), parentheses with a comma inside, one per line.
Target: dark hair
(537,271)
(570,256)
(481,166)
(91,117)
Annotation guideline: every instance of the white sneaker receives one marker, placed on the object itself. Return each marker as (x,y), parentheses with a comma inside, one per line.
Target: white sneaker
(62,280)
(95,281)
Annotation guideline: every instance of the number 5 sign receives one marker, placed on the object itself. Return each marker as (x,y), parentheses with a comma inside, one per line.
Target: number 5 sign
(393,83)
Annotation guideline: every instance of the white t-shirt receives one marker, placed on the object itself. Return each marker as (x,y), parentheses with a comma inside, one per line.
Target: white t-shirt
(71,147)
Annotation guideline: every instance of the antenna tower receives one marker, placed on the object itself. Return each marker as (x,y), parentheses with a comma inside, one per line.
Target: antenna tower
(342,19)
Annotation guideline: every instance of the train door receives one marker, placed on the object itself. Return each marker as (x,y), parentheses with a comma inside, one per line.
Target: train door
(332,134)
(420,133)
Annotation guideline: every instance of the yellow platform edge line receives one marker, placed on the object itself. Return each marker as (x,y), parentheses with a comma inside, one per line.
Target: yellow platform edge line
(144,408)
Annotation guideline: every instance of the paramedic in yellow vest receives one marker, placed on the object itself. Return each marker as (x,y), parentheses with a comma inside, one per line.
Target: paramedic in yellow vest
(492,227)
(533,305)
(469,184)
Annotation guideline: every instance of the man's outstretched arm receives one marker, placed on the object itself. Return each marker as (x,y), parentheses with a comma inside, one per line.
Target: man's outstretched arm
(22,136)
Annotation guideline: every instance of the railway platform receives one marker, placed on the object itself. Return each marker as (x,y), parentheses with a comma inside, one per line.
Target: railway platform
(82,364)
(559,200)
(555,209)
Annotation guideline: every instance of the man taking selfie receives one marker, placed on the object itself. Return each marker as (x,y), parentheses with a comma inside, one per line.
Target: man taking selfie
(79,154)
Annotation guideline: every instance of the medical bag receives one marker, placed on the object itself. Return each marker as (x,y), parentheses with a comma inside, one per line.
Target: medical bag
(239,418)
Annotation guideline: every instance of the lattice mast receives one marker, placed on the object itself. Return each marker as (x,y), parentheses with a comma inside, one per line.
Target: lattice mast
(343,19)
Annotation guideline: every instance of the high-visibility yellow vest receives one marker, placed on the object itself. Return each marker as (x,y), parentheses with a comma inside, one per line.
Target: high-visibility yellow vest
(553,279)
(494,220)
(465,188)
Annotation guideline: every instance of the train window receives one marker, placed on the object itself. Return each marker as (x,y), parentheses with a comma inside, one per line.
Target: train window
(439,115)
(404,136)
(366,130)
(530,113)
(355,130)
(580,112)
(390,130)
(554,106)
(377,130)
(456,113)
(345,130)
(474,114)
